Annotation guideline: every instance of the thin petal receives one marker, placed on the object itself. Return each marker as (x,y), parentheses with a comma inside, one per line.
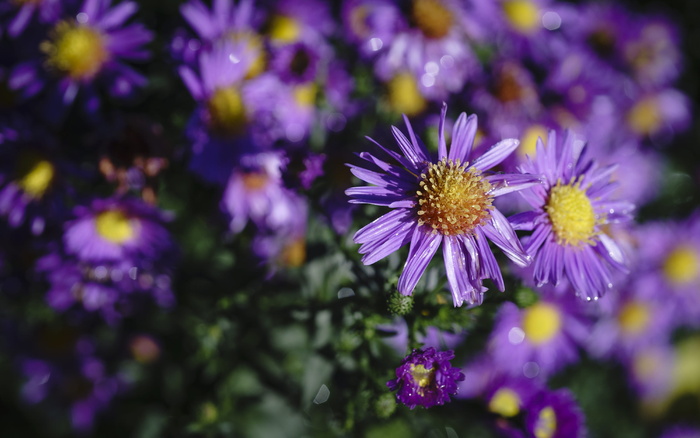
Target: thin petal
(423,248)
(456,270)
(496,154)
(500,231)
(511,182)
(442,146)
(489,265)
(407,148)
(463,134)
(382,226)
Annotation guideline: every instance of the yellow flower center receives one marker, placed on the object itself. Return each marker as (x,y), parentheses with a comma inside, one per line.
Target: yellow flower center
(256,50)
(541,322)
(36,175)
(115,226)
(523,15)
(528,141)
(546,424)
(305,95)
(432,18)
(634,317)
(452,199)
(645,118)
(422,376)
(227,111)
(294,253)
(358,21)
(404,96)
(683,265)
(284,29)
(505,402)
(507,87)
(77,50)
(255,181)
(571,214)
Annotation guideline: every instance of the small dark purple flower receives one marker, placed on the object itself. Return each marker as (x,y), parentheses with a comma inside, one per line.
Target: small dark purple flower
(446,201)
(426,378)
(555,414)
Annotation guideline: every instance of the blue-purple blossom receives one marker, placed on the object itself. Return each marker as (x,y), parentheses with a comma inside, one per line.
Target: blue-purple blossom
(426,378)
(571,208)
(445,201)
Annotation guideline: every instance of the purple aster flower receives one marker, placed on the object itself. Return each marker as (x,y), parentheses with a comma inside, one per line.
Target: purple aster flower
(371,24)
(90,49)
(256,192)
(571,208)
(445,201)
(293,21)
(650,372)
(426,378)
(555,414)
(670,252)
(657,115)
(681,432)
(29,175)
(114,230)
(503,393)
(637,316)
(46,11)
(538,340)
(430,57)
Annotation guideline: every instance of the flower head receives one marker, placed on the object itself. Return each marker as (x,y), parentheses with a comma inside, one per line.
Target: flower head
(448,201)
(426,378)
(572,208)
(555,414)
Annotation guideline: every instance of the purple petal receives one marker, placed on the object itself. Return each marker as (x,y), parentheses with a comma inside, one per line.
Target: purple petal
(373,195)
(511,182)
(463,134)
(524,221)
(382,226)
(442,146)
(21,19)
(191,82)
(500,231)
(409,151)
(118,15)
(496,154)
(612,250)
(456,270)
(423,248)
(489,265)
(377,250)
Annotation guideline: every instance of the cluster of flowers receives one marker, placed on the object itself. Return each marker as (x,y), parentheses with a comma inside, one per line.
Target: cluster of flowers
(578,101)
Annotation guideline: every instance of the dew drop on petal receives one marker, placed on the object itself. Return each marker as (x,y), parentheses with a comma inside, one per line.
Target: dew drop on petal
(531,370)
(322,395)
(516,335)
(551,20)
(376,44)
(82,17)
(345,292)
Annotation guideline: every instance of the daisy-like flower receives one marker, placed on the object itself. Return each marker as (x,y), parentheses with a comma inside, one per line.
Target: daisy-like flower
(555,414)
(426,378)
(446,201)
(572,208)
(540,339)
(89,48)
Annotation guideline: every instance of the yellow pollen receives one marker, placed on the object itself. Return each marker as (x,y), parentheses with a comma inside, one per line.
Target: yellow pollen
(546,424)
(114,226)
(683,265)
(634,317)
(453,199)
(523,15)
(358,21)
(284,29)
(305,95)
(571,214)
(294,253)
(227,111)
(255,181)
(77,50)
(37,175)
(255,49)
(404,96)
(528,141)
(505,402)
(422,376)
(644,118)
(432,18)
(541,322)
